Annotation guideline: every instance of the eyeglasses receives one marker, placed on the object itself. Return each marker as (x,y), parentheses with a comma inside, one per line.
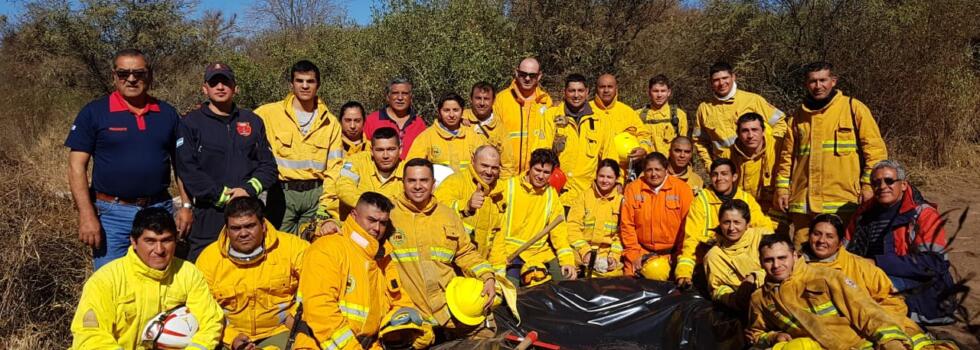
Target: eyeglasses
(139,74)
(887,180)
(523,74)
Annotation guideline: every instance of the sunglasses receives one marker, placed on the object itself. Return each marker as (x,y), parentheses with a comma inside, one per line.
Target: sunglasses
(523,74)
(887,180)
(124,74)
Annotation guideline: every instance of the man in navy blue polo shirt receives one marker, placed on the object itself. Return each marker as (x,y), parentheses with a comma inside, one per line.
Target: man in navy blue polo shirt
(131,135)
(222,153)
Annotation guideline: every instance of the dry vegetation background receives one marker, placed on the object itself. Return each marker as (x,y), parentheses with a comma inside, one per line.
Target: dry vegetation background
(916,63)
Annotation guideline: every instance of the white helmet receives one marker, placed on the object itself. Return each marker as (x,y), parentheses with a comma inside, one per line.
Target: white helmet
(440,172)
(171,329)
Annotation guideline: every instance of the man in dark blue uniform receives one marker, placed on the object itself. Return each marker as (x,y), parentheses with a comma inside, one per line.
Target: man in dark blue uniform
(222,153)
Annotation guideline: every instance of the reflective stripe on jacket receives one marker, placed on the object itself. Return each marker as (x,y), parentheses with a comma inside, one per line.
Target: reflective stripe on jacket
(528,211)
(728,263)
(714,126)
(593,223)
(653,221)
(455,192)
(440,146)
(660,127)
(523,120)
(359,174)
(579,145)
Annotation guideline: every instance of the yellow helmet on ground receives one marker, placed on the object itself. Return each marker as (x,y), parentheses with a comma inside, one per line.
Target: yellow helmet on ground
(625,143)
(534,274)
(656,267)
(465,300)
(804,343)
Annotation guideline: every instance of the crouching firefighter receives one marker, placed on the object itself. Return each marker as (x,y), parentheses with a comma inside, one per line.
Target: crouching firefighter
(350,290)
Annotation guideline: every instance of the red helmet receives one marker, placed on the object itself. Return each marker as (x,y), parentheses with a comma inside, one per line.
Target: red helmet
(558,179)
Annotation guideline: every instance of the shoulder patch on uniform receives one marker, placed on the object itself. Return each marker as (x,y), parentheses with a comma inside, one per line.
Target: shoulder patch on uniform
(180,142)
(850,283)
(90,320)
(351,284)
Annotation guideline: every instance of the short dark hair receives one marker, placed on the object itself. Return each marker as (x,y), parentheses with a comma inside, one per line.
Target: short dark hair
(575,78)
(304,66)
(816,67)
(376,200)
(244,206)
(154,219)
(131,52)
(352,104)
(737,205)
(655,157)
(748,117)
(483,86)
(418,162)
(543,156)
(659,79)
(451,96)
(772,239)
(680,139)
(608,163)
(831,219)
(385,133)
(720,66)
(721,162)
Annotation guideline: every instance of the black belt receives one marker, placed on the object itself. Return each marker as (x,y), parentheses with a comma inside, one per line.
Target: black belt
(136,201)
(301,185)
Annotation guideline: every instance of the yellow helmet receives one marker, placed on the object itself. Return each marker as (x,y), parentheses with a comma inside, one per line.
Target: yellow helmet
(532,275)
(625,143)
(465,300)
(656,267)
(804,343)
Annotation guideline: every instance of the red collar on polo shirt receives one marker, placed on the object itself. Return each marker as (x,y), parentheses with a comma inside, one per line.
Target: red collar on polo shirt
(118,104)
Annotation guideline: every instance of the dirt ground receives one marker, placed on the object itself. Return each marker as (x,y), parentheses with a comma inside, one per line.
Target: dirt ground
(957,190)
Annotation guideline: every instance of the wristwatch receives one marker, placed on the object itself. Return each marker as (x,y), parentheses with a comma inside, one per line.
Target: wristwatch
(186,205)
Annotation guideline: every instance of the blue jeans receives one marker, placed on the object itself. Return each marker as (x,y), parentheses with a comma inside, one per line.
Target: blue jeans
(117,222)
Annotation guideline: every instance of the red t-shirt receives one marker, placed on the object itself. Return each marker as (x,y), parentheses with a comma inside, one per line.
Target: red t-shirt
(413,127)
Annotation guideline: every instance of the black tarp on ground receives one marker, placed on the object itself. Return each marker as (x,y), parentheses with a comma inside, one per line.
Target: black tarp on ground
(621,313)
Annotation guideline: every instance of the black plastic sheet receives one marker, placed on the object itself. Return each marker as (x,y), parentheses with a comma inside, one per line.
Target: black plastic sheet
(622,313)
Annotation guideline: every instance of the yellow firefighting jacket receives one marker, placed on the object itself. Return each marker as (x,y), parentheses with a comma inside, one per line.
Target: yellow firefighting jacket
(492,129)
(660,127)
(593,223)
(873,279)
(440,146)
(347,291)
(623,118)
(692,179)
(429,245)
(455,192)
(316,155)
(524,122)
(528,211)
(702,220)
(819,166)
(359,175)
(121,298)
(256,296)
(728,263)
(351,148)
(824,305)
(714,126)
(580,146)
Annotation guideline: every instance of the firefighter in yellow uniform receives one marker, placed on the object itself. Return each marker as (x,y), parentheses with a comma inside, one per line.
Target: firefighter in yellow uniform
(823,249)
(593,223)
(352,129)
(350,283)
(620,116)
(532,204)
(307,143)
(754,154)
(662,120)
(581,138)
(699,229)
(732,266)
(681,153)
(447,142)
(430,245)
(253,271)
(801,301)
(481,118)
(120,298)
(521,107)
(714,125)
(477,195)
(376,171)
(825,161)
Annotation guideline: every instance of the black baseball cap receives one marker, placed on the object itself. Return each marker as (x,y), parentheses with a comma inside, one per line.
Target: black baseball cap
(218,68)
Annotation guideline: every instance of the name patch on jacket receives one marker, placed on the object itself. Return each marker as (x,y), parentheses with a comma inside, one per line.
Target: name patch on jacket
(244,128)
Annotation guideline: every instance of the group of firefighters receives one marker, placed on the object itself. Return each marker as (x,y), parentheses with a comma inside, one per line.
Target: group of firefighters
(804,228)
